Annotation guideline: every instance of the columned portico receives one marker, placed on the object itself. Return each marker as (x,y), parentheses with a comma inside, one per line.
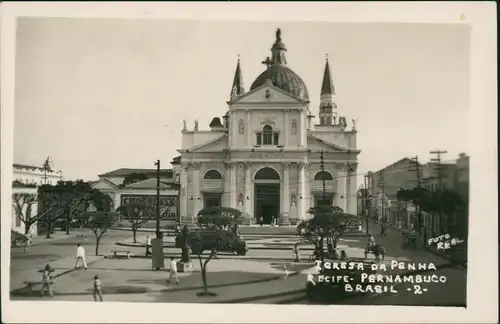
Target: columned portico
(197,197)
(248,188)
(232,188)
(286,189)
(302,192)
(184,193)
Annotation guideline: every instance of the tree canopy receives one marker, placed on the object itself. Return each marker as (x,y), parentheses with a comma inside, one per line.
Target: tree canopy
(134,177)
(137,215)
(218,231)
(329,222)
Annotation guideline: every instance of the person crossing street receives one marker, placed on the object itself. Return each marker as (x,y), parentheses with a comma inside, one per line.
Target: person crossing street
(173,271)
(80,256)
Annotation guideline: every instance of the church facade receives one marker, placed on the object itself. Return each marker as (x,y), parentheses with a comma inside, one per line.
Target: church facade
(264,157)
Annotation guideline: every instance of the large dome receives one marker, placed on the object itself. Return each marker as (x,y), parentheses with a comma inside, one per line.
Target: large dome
(279,74)
(283,78)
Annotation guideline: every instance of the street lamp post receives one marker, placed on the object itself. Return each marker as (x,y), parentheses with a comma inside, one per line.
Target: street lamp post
(157,163)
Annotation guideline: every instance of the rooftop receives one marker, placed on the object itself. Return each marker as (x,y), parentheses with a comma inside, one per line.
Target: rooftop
(123,172)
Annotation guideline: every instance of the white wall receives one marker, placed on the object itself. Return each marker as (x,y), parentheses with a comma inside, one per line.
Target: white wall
(20,228)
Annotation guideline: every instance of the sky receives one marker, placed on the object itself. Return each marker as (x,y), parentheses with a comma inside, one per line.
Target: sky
(101,94)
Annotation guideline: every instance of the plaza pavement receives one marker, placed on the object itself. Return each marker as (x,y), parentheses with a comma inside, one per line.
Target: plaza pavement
(59,252)
(256,277)
(133,280)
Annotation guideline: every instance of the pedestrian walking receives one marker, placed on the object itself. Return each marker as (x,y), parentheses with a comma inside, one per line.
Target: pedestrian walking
(287,273)
(27,242)
(173,271)
(382,229)
(80,256)
(97,288)
(296,252)
(343,255)
(371,240)
(148,245)
(46,277)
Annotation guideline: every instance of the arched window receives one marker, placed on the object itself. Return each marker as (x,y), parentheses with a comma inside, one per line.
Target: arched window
(323,175)
(213,175)
(267,136)
(267,174)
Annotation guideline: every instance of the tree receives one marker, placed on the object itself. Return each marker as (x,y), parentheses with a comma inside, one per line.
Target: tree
(99,222)
(137,215)
(215,234)
(328,222)
(134,177)
(75,198)
(23,208)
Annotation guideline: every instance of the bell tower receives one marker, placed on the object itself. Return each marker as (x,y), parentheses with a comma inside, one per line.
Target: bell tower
(328,104)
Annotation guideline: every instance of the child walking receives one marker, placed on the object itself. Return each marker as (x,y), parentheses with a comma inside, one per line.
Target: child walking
(97,288)
(46,284)
(173,271)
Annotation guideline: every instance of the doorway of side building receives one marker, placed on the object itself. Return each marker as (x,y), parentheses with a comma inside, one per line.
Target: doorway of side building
(267,195)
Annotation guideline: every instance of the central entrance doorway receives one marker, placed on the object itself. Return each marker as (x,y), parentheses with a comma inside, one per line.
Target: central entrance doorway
(267,195)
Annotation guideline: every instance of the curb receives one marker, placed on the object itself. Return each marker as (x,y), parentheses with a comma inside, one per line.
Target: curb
(277,248)
(228,257)
(60,274)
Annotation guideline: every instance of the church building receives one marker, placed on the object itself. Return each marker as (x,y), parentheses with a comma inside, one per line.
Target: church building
(264,156)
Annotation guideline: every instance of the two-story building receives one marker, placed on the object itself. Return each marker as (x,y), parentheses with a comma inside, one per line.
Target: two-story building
(36,175)
(264,156)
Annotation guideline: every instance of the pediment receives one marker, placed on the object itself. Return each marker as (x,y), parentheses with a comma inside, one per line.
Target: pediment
(104,184)
(218,144)
(314,143)
(268,94)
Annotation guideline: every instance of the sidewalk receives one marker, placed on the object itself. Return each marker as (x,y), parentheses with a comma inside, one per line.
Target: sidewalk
(61,267)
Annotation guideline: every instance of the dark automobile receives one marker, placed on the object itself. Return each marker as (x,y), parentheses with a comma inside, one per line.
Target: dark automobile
(329,292)
(233,243)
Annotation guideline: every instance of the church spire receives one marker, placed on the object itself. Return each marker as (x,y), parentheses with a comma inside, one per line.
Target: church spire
(327,85)
(327,106)
(238,88)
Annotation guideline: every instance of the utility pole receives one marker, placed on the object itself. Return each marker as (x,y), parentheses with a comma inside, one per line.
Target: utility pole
(439,169)
(157,163)
(381,185)
(365,196)
(348,189)
(322,167)
(415,167)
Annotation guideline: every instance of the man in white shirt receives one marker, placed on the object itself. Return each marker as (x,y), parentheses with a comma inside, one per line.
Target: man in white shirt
(80,256)
(173,270)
